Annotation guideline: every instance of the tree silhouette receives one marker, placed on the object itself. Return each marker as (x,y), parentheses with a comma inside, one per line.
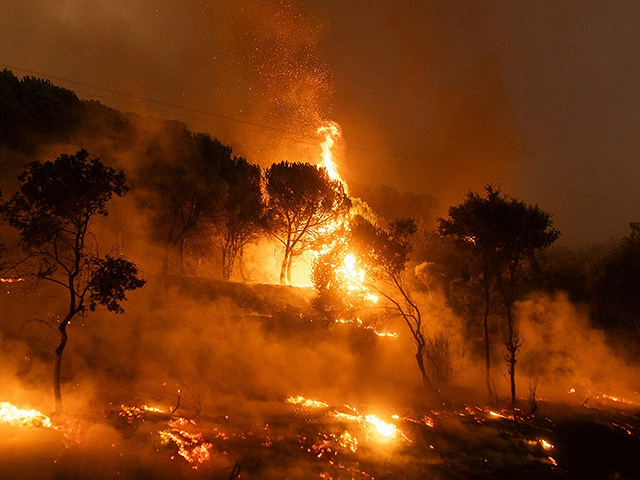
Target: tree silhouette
(384,254)
(302,202)
(53,211)
(242,215)
(35,107)
(614,285)
(502,235)
(185,176)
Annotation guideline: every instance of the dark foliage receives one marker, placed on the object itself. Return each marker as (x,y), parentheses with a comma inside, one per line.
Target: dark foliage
(614,284)
(53,212)
(184,173)
(242,214)
(33,107)
(501,236)
(111,278)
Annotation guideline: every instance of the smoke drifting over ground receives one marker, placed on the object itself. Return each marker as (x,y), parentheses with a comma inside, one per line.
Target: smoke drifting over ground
(565,354)
(190,349)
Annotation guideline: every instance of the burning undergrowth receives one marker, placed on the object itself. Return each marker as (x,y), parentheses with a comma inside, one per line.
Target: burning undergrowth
(300,437)
(206,388)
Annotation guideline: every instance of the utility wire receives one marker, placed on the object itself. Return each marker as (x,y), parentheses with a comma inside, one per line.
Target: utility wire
(284,134)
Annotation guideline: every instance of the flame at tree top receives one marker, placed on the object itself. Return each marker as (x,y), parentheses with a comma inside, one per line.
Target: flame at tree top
(331,132)
(347,271)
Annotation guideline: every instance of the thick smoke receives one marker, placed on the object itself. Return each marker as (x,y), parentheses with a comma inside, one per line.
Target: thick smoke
(563,353)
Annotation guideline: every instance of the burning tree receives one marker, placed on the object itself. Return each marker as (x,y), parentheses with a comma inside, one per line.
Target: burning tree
(502,235)
(385,253)
(53,211)
(335,298)
(303,204)
(339,280)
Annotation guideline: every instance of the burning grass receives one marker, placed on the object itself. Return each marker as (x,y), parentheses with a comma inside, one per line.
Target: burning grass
(302,437)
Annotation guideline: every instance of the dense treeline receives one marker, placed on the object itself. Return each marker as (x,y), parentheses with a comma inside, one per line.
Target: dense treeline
(198,207)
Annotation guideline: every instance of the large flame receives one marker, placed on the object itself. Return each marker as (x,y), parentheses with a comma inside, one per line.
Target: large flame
(331,132)
(348,272)
(18,417)
(383,431)
(191,445)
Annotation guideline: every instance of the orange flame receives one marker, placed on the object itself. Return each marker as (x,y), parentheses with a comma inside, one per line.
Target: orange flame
(331,132)
(18,417)
(190,445)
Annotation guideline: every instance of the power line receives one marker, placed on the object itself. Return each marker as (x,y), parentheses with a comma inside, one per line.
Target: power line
(282,134)
(570,194)
(145,99)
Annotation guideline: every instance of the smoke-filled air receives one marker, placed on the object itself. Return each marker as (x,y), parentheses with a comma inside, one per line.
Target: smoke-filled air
(296,240)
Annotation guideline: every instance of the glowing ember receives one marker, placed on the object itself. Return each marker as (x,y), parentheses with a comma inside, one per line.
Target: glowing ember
(388,430)
(546,445)
(190,445)
(500,415)
(142,408)
(11,280)
(386,334)
(134,412)
(348,441)
(618,399)
(17,417)
(306,402)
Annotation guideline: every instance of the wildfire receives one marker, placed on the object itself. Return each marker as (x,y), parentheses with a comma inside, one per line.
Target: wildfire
(331,132)
(354,277)
(603,397)
(17,417)
(384,430)
(134,412)
(388,430)
(618,399)
(190,445)
(349,442)
(348,272)
(306,402)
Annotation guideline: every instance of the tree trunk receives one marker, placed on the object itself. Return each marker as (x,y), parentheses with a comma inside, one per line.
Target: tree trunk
(426,382)
(512,342)
(487,348)
(182,242)
(283,269)
(225,268)
(289,262)
(62,328)
(167,252)
(512,353)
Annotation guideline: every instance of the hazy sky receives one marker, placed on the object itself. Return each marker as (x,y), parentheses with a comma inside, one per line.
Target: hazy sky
(541,98)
